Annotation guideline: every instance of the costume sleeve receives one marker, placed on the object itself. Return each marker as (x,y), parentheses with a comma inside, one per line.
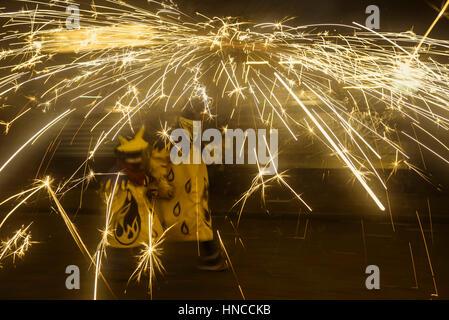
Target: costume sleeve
(159,166)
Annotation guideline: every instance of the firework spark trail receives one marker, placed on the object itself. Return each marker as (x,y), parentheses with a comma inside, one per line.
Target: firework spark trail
(440,14)
(8,124)
(230,264)
(17,245)
(428,256)
(31,192)
(70,226)
(334,145)
(359,72)
(149,260)
(73,231)
(35,137)
(101,248)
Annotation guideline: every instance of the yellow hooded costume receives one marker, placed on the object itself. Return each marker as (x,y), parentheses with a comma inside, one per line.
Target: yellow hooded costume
(182,199)
(131,211)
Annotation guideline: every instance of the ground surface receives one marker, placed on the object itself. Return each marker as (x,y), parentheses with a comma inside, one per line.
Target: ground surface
(329,263)
(276,258)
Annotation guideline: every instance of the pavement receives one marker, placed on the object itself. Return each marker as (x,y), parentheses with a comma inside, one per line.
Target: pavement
(278,251)
(272,256)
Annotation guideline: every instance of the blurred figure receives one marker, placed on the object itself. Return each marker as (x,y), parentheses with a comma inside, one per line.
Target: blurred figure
(176,197)
(181,194)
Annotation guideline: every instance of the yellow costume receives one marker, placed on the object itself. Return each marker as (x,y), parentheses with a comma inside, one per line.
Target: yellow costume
(182,195)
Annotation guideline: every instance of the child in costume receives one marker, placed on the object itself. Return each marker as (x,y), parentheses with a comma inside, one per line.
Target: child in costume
(131,208)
